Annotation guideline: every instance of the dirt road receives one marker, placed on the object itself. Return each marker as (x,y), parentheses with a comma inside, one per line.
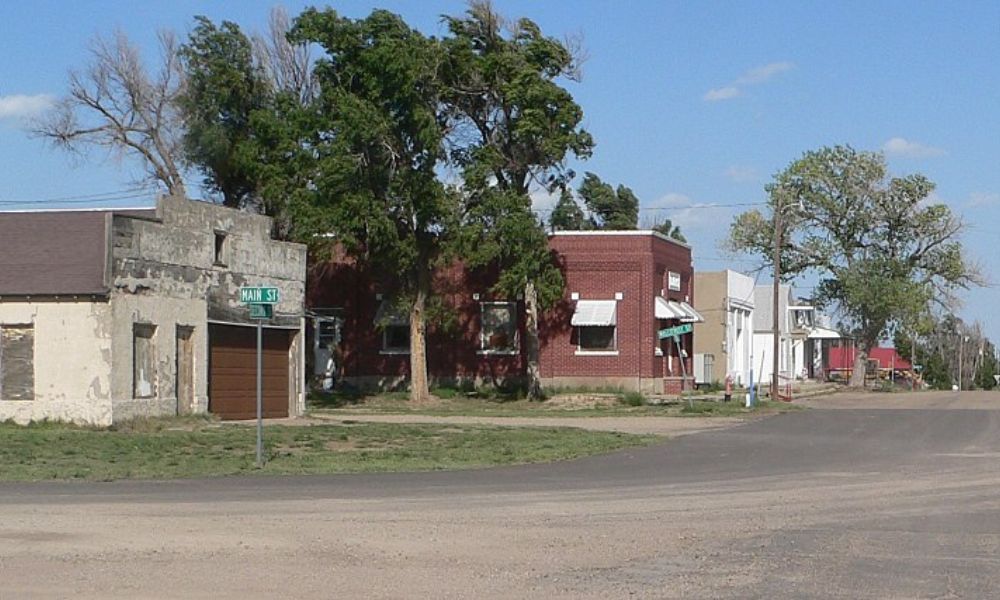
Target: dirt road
(853,503)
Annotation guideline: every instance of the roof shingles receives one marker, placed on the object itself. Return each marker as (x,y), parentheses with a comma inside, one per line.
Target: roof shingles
(53,253)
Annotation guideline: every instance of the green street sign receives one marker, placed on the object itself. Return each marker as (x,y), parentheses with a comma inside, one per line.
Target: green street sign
(259,295)
(674,331)
(261,311)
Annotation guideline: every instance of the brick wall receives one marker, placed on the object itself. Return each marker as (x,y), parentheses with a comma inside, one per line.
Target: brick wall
(596,266)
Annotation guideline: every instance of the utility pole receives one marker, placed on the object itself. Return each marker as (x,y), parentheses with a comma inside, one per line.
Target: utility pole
(776,305)
(961,347)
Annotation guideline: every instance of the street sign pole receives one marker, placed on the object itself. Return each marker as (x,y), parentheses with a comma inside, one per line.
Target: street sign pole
(260,416)
(261,301)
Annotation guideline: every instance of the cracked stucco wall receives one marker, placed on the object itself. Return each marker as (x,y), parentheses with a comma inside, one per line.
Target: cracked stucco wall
(165,274)
(72,364)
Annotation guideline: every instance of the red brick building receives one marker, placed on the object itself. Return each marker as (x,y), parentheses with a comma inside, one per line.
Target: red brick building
(621,288)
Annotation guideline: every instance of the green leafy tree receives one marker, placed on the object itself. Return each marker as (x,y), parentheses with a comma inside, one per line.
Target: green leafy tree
(881,251)
(226,87)
(609,208)
(567,215)
(667,228)
(241,92)
(373,139)
(512,127)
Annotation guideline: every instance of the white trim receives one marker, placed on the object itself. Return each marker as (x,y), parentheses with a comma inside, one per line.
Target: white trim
(623,232)
(498,352)
(596,352)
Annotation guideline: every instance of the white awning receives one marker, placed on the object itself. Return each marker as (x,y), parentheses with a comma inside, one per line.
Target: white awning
(595,313)
(822,333)
(665,310)
(672,309)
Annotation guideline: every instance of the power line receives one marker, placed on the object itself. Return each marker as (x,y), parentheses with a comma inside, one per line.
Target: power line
(125,194)
(680,207)
(85,199)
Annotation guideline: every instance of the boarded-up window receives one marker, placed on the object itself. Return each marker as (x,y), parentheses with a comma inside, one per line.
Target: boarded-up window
(143,361)
(17,362)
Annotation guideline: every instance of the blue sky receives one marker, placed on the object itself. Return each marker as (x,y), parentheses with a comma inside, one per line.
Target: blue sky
(691,103)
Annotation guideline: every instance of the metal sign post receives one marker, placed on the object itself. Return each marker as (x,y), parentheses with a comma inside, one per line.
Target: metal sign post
(680,355)
(261,301)
(260,403)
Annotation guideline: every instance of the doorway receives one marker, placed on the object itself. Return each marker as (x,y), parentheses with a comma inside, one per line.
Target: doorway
(185,370)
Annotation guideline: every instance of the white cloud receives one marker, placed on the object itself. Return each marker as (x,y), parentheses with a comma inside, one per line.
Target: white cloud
(983,199)
(754,76)
(680,209)
(543,200)
(763,73)
(742,174)
(723,93)
(19,106)
(903,147)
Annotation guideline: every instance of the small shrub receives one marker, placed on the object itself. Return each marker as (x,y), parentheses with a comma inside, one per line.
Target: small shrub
(633,399)
(446,393)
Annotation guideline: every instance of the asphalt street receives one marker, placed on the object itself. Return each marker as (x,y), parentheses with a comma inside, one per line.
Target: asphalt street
(888,497)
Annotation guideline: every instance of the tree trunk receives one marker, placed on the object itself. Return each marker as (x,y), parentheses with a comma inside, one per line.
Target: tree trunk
(531,342)
(860,366)
(419,389)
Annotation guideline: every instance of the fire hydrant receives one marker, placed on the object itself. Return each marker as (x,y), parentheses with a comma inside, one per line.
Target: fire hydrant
(729,388)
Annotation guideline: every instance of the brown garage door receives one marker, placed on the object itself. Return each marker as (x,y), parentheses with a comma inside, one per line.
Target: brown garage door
(233,371)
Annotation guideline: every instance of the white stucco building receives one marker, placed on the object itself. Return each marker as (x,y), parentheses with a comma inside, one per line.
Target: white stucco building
(108,315)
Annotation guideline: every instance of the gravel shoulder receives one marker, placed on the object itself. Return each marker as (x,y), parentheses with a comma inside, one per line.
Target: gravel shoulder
(665,426)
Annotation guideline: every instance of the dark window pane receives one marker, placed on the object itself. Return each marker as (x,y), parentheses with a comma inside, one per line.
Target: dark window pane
(397,337)
(597,338)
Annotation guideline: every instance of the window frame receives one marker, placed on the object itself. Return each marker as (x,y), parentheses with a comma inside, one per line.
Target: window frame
(32,392)
(386,348)
(515,346)
(220,248)
(138,328)
(613,351)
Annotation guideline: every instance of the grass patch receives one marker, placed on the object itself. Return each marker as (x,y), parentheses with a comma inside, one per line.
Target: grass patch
(618,404)
(169,448)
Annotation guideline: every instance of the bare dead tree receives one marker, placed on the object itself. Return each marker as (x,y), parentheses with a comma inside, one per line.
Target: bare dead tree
(116,104)
(287,66)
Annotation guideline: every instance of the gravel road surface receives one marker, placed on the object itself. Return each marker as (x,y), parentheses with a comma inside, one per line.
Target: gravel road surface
(875,500)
